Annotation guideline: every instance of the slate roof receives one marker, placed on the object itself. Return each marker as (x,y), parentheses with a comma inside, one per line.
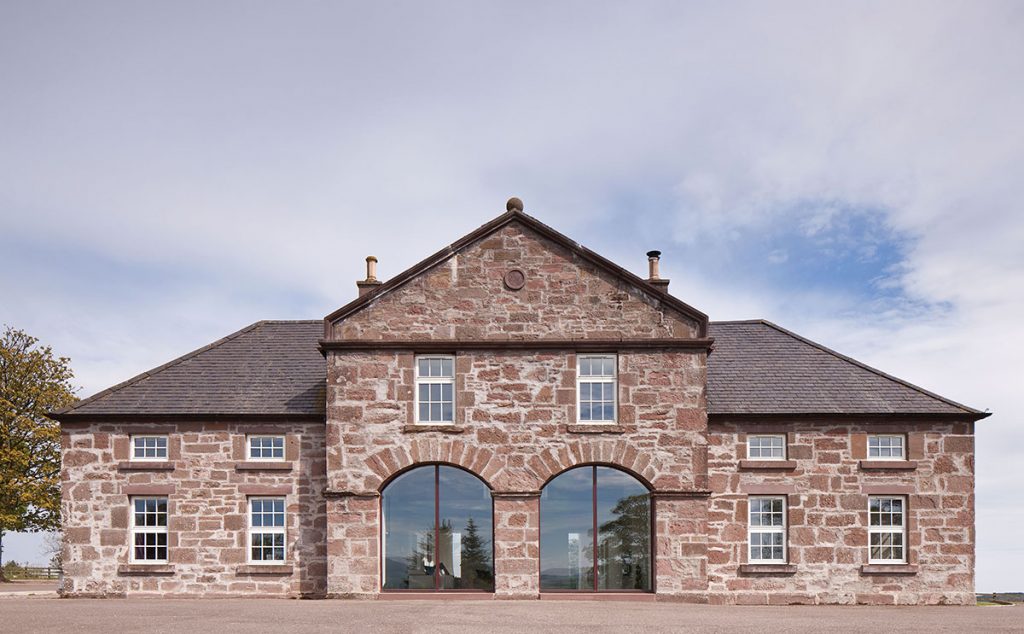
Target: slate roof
(757,367)
(274,368)
(268,368)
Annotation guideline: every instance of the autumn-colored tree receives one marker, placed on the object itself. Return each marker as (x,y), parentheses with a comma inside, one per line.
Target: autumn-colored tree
(32,383)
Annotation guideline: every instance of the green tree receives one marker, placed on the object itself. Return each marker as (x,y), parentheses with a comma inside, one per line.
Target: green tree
(32,383)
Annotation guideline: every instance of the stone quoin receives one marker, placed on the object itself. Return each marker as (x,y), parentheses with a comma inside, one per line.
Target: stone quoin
(513,417)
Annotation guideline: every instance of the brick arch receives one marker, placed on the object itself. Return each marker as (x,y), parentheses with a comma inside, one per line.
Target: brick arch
(391,461)
(545,465)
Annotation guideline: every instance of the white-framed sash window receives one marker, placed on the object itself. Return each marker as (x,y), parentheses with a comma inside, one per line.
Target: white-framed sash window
(265,448)
(766,531)
(148,447)
(887,447)
(766,447)
(596,387)
(887,529)
(435,389)
(149,530)
(267,530)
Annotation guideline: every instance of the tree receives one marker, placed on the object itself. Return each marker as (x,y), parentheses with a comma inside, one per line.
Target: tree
(32,383)
(476,562)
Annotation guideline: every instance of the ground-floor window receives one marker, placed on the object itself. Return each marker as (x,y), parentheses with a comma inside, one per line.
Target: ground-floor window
(437,524)
(886,530)
(595,531)
(266,530)
(767,530)
(149,530)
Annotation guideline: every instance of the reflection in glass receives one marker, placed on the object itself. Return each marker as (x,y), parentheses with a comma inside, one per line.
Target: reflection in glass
(568,522)
(437,524)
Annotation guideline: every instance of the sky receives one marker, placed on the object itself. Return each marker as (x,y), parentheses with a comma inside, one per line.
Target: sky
(171,172)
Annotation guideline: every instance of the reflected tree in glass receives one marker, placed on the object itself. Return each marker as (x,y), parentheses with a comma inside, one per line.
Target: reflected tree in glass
(437,523)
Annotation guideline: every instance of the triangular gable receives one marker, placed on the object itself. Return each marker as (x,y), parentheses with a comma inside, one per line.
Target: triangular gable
(532,224)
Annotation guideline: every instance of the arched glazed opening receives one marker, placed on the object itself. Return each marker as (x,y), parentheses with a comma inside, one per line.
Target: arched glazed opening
(595,531)
(437,531)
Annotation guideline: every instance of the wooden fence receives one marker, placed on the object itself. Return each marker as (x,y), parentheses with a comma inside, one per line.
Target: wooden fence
(33,572)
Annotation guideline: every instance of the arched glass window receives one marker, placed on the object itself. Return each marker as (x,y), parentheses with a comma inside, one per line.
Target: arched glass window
(588,510)
(437,531)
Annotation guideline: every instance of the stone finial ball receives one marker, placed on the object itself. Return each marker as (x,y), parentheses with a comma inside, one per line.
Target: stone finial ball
(514,203)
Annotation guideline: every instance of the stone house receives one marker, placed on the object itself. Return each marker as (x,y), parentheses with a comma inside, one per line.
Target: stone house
(518,417)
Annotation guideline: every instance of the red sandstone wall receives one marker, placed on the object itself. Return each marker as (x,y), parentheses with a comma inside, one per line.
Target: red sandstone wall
(207,502)
(515,428)
(828,492)
(564,298)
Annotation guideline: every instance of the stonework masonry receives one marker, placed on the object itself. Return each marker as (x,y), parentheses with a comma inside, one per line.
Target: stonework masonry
(207,482)
(515,348)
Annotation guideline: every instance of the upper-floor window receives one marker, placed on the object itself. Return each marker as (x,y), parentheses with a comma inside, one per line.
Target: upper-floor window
(435,389)
(887,529)
(886,447)
(266,448)
(596,388)
(766,447)
(146,447)
(149,530)
(767,530)
(266,529)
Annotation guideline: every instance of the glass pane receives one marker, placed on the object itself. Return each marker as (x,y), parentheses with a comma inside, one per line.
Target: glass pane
(446,367)
(464,551)
(567,531)
(624,532)
(423,367)
(408,508)
(424,411)
(446,392)
(585,366)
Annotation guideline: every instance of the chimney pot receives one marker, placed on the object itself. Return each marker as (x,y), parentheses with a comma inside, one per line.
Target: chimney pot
(654,276)
(371,282)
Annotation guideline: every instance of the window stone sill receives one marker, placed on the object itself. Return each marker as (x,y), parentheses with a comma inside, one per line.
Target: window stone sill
(596,429)
(145,465)
(888,569)
(265,569)
(767,569)
(781,465)
(444,429)
(145,569)
(254,465)
(888,465)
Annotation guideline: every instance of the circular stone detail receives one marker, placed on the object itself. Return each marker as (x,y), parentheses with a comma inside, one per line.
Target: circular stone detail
(515,279)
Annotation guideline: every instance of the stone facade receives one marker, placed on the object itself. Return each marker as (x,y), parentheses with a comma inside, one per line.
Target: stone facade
(207,482)
(827,481)
(515,428)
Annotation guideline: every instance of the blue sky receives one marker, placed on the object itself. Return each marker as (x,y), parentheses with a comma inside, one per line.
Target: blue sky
(851,170)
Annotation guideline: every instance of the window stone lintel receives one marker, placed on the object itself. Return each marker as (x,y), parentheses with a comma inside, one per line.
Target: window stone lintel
(768,464)
(423,427)
(888,569)
(265,569)
(263,465)
(889,465)
(145,465)
(145,569)
(767,569)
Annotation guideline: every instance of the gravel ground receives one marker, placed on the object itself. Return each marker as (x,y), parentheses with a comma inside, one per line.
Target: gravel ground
(223,616)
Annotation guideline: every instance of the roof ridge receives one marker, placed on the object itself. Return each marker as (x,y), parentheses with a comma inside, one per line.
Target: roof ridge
(871,369)
(726,322)
(291,321)
(160,368)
